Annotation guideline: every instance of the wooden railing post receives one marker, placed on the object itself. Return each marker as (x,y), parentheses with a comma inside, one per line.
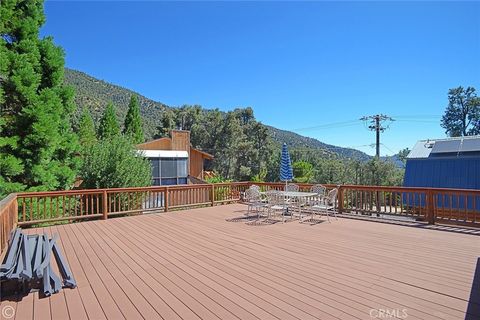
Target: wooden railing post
(105,205)
(340,198)
(16,211)
(165,199)
(430,207)
(212,194)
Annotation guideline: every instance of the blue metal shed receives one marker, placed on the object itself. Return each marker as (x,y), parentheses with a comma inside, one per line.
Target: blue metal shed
(445,163)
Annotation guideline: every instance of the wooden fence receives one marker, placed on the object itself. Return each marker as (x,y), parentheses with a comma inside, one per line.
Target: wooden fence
(454,206)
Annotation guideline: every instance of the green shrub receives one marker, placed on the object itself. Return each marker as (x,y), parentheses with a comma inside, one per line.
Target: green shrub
(217,179)
(114,163)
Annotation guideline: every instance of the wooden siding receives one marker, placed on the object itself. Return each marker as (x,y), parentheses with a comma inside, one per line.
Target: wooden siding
(197,265)
(180,140)
(158,144)
(196,163)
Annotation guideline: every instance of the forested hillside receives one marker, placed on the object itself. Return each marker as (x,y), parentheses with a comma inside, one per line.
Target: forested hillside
(243,148)
(95,94)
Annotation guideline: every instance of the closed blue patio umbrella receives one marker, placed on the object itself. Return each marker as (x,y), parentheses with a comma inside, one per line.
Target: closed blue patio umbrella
(286,172)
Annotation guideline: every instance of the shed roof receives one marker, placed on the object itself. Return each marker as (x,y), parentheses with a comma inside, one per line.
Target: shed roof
(204,154)
(457,145)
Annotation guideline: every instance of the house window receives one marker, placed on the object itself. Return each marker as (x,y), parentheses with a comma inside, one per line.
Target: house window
(155,171)
(169,171)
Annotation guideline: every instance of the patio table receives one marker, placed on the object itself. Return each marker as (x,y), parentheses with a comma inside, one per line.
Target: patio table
(298,195)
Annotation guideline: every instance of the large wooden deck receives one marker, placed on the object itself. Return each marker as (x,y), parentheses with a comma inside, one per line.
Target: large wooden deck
(194,264)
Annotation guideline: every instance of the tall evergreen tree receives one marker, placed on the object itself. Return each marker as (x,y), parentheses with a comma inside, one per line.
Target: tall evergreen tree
(108,127)
(38,146)
(133,122)
(462,116)
(86,129)
(167,123)
(303,171)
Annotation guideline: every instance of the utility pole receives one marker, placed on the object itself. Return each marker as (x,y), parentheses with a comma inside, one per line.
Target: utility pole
(376,123)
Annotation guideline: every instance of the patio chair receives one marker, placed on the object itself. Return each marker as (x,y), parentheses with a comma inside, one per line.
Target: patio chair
(292,187)
(276,202)
(292,201)
(254,201)
(326,205)
(253,186)
(318,189)
(297,204)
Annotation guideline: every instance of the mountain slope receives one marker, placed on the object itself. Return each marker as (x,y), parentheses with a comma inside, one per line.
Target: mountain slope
(296,141)
(95,94)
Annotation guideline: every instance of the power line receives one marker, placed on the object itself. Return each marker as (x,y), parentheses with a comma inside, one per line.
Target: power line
(416,120)
(393,152)
(427,118)
(418,116)
(329,125)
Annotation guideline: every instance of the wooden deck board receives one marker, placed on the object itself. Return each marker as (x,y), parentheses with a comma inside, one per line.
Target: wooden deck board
(289,276)
(194,264)
(81,302)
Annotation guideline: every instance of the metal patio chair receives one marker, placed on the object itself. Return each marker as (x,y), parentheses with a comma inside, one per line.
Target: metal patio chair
(292,187)
(254,201)
(318,189)
(276,203)
(325,205)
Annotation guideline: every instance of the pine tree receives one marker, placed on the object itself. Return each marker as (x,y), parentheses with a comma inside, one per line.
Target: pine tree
(167,123)
(86,129)
(38,146)
(133,122)
(462,116)
(108,127)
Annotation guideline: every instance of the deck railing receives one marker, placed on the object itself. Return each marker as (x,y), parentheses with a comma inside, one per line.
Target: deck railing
(42,207)
(433,205)
(455,206)
(8,219)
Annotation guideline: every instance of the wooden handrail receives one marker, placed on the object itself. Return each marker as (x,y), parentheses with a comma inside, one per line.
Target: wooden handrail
(248,183)
(411,189)
(458,206)
(433,205)
(8,220)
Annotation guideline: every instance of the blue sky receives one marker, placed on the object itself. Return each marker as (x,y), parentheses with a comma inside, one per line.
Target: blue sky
(300,65)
